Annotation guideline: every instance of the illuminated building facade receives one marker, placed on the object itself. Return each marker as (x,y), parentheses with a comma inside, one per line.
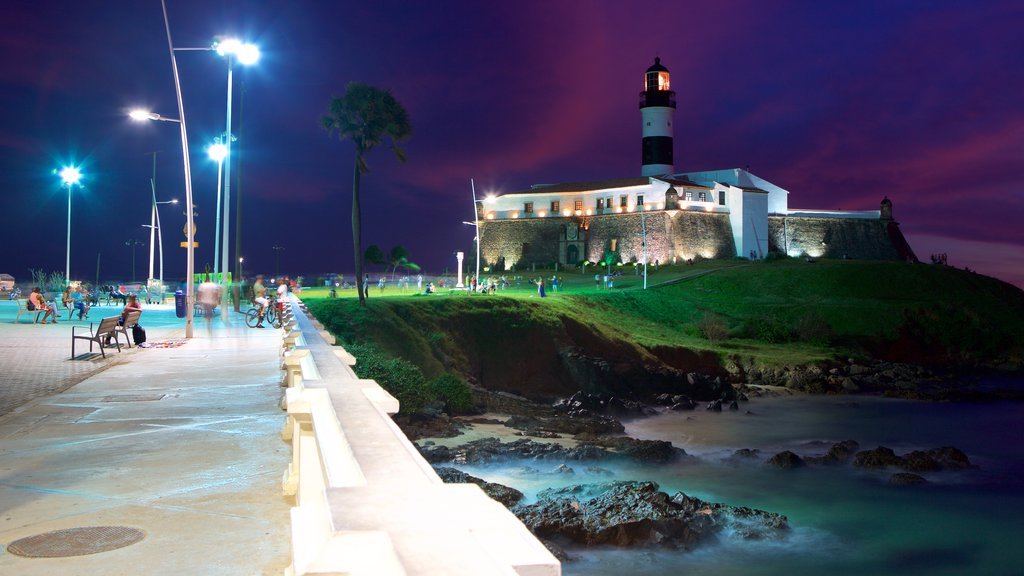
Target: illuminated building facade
(711,214)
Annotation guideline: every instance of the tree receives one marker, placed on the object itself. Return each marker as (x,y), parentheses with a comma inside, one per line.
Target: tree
(399,256)
(367,116)
(373,255)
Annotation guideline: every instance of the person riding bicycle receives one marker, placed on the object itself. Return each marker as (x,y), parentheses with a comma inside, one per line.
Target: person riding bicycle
(259,292)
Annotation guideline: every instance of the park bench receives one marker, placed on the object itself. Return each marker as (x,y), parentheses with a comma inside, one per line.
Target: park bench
(106,330)
(23,309)
(130,319)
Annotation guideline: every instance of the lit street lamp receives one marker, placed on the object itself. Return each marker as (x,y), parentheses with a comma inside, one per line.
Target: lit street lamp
(231,49)
(240,260)
(69,177)
(217,152)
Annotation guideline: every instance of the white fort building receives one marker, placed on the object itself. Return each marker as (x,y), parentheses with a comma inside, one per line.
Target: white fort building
(685,215)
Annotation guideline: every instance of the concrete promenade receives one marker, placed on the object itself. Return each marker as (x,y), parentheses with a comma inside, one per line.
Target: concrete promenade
(181,443)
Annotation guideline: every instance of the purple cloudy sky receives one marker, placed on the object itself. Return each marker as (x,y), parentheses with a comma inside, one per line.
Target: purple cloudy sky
(841,103)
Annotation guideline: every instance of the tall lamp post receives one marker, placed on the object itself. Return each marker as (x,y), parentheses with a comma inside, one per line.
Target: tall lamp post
(154,227)
(643,241)
(218,152)
(476,223)
(189,225)
(246,54)
(277,259)
(132,243)
(69,177)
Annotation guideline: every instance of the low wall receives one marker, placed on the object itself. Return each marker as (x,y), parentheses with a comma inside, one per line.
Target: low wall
(366,502)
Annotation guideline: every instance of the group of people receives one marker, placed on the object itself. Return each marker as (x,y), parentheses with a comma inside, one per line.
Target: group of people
(259,296)
(608,279)
(74,298)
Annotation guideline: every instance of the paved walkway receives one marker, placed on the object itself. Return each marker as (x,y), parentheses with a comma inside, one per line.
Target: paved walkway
(182,443)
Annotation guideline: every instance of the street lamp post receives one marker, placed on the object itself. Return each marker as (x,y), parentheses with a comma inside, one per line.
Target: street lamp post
(154,226)
(230,49)
(476,223)
(277,259)
(218,152)
(132,243)
(189,225)
(643,242)
(69,176)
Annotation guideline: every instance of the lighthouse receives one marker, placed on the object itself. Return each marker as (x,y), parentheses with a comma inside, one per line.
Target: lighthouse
(657,105)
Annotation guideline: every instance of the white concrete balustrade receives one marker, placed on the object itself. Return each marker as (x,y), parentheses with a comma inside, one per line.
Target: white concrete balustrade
(366,502)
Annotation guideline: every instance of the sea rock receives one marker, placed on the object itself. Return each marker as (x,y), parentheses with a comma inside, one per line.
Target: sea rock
(646,451)
(786,460)
(744,454)
(906,479)
(634,514)
(488,450)
(714,406)
(562,469)
(880,457)
(950,458)
(839,453)
(566,424)
(504,494)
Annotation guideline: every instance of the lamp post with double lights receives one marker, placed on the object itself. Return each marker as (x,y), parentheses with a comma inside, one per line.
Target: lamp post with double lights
(157,230)
(218,152)
(231,49)
(132,243)
(140,115)
(69,176)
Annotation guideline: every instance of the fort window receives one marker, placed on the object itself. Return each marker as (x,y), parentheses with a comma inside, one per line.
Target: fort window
(528,208)
(554,206)
(689,195)
(623,201)
(721,197)
(702,196)
(600,203)
(578,205)
(639,199)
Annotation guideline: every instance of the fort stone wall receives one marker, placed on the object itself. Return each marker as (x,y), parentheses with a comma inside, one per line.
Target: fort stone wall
(817,237)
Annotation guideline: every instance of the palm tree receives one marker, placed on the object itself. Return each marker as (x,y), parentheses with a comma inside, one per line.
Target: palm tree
(398,256)
(367,116)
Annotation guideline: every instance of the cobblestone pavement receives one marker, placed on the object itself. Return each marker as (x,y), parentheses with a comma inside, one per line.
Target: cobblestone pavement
(180,444)
(35,359)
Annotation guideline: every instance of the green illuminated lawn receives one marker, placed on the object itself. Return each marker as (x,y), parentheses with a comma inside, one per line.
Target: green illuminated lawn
(777,313)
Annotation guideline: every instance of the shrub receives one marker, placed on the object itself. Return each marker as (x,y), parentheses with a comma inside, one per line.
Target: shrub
(451,390)
(813,327)
(713,327)
(398,376)
(767,329)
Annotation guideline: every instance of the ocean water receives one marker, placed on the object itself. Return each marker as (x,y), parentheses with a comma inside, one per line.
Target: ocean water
(843,520)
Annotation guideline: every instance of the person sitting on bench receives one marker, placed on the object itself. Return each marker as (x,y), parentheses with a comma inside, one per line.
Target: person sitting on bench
(37,302)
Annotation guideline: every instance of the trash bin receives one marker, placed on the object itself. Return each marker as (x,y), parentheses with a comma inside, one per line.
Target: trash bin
(179,304)
(334,293)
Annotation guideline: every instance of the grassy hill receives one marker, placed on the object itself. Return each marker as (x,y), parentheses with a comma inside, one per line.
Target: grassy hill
(708,319)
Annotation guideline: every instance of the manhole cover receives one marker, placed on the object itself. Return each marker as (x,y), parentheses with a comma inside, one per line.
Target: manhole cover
(76,541)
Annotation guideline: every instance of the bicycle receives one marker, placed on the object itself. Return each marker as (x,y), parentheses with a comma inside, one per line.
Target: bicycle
(270,315)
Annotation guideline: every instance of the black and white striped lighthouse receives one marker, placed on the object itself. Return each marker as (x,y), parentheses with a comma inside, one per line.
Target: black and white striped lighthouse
(657,105)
